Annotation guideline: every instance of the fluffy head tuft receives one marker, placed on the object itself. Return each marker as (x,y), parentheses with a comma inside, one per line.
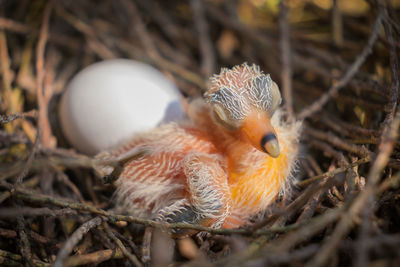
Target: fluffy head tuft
(239,76)
(235,92)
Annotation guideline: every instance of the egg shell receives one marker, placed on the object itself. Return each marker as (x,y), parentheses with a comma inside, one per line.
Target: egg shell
(106,103)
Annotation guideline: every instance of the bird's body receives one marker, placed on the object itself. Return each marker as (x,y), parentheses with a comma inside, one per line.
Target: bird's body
(204,171)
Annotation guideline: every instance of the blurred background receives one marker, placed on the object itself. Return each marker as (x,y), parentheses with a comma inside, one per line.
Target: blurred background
(336,63)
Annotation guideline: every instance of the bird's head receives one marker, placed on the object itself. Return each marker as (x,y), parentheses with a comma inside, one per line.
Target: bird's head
(243,100)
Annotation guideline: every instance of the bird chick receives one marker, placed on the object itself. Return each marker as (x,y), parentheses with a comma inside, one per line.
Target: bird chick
(225,165)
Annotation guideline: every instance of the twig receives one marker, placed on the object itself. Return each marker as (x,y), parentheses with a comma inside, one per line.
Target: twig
(205,44)
(94,258)
(362,246)
(286,212)
(10,255)
(30,183)
(338,142)
(345,128)
(146,246)
(74,239)
(327,149)
(343,227)
(61,176)
(133,246)
(151,49)
(394,70)
(44,129)
(361,79)
(279,259)
(18,138)
(180,35)
(46,200)
(9,118)
(337,24)
(310,221)
(235,24)
(21,28)
(25,247)
(102,237)
(303,233)
(25,211)
(313,163)
(15,26)
(28,163)
(334,172)
(43,136)
(311,205)
(15,258)
(43,240)
(6,74)
(286,56)
(393,182)
(121,246)
(310,89)
(386,145)
(33,235)
(317,105)
(97,47)
(7,233)
(8,262)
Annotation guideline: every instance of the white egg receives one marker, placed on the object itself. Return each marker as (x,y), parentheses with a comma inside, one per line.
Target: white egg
(106,103)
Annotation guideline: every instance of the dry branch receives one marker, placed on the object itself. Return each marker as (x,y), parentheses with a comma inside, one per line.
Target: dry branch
(317,105)
(286,56)
(74,239)
(342,209)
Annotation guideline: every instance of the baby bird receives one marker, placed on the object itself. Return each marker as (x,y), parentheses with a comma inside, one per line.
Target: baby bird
(225,165)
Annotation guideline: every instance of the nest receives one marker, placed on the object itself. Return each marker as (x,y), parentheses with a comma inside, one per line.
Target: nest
(337,67)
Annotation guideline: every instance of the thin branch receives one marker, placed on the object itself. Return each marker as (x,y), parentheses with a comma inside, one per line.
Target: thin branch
(338,142)
(19,115)
(25,247)
(93,258)
(15,26)
(30,183)
(152,51)
(205,43)
(44,128)
(16,259)
(334,172)
(394,70)
(46,200)
(286,56)
(121,246)
(28,164)
(337,24)
(318,105)
(91,39)
(25,211)
(74,239)
(344,225)
(6,74)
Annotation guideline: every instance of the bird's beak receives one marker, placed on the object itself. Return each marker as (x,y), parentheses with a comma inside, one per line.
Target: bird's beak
(257,129)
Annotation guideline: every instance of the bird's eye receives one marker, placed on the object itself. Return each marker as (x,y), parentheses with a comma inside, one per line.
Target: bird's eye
(221,112)
(222,116)
(276,97)
(265,94)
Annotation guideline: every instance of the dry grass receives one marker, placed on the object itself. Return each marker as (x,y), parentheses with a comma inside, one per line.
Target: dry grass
(338,70)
